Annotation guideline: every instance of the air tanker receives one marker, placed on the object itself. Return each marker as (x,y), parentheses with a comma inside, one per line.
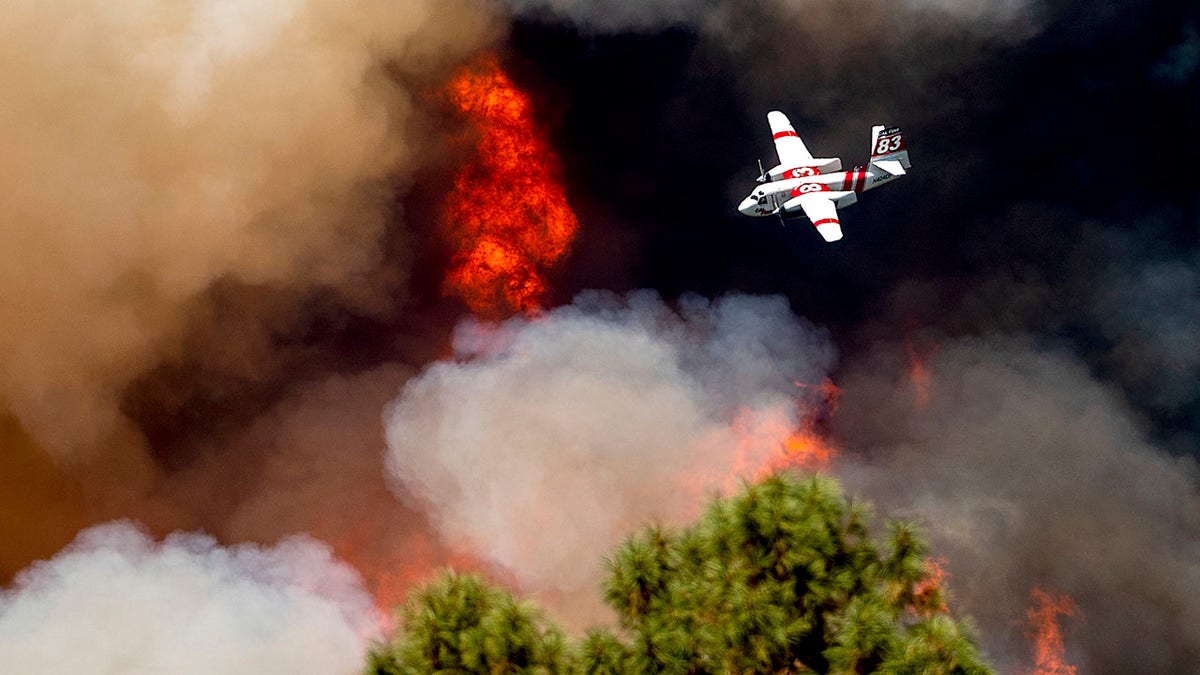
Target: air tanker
(817,186)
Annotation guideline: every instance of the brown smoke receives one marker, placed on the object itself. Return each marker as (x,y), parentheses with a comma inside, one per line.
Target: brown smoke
(314,464)
(180,183)
(152,151)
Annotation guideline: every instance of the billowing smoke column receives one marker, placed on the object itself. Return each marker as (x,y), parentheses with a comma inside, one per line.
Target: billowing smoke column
(151,152)
(184,189)
(115,601)
(546,441)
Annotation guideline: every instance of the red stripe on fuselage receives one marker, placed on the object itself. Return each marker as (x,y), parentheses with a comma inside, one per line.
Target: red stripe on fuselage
(825,220)
(782,134)
(847,181)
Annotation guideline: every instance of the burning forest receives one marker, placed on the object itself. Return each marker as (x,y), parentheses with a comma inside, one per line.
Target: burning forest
(304,301)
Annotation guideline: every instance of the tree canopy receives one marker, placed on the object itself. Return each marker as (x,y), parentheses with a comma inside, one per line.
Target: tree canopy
(780,578)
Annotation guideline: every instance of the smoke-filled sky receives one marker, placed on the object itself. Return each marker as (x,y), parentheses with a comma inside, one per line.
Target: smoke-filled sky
(223,312)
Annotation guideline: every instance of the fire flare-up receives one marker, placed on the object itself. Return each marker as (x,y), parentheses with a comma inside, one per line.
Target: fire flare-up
(766,443)
(1049,649)
(507,214)
(807,447)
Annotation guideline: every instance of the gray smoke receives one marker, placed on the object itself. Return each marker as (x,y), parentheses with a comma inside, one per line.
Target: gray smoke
(1180,63)
(719,15)
(545,441)
(615,15)
(1027,471)
(117,602)
(1144,304)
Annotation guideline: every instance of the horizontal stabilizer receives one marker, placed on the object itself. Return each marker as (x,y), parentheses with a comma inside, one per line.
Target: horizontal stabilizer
(892,166)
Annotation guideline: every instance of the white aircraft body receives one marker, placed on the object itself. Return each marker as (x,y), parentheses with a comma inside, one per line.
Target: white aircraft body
(817,186)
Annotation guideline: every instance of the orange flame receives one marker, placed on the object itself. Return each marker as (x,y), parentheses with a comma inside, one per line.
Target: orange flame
(769,440)
(508,212)
(1049,649)
(803,449)
(928,598)
(806,447)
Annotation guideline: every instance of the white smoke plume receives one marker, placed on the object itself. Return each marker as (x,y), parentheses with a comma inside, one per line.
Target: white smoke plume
(1027,471)
(153,149)
(117,602)
(546,441)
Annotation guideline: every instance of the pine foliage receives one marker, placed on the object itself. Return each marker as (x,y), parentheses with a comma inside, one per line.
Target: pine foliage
(781,578)
(460,624)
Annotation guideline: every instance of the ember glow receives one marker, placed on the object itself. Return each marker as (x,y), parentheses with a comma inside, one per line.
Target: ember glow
(767,443)
(806,447)
(928,597)
(507,214)
(1049,649)
(918,373)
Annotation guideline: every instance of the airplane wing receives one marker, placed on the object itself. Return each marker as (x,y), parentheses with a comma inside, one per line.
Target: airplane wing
(821,211)
(792,151)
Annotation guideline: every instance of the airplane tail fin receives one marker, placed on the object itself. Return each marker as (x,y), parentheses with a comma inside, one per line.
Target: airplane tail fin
(889,152)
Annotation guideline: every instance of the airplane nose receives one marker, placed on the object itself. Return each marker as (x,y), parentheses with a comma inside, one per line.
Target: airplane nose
(748,205)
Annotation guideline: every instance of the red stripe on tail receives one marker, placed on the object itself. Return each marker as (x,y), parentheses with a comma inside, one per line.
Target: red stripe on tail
(825,220)
(782,134)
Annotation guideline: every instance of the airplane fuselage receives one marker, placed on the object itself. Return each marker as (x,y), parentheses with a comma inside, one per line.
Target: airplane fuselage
(817,186)
(840,186)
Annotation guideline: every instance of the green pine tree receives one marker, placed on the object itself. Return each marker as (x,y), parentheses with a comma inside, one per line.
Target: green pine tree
(781,578)
(460,624)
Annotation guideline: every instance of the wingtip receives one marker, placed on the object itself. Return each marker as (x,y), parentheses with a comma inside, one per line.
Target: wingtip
(830,231)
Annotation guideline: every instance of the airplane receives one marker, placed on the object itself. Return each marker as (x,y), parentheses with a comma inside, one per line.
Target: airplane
(817,185)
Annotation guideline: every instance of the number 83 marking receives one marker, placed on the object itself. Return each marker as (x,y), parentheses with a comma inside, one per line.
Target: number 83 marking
(887,145)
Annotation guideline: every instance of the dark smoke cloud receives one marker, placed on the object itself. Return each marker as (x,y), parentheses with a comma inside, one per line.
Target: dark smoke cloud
(1027,471)
(1180,63)
(614,16)
(1043,203)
